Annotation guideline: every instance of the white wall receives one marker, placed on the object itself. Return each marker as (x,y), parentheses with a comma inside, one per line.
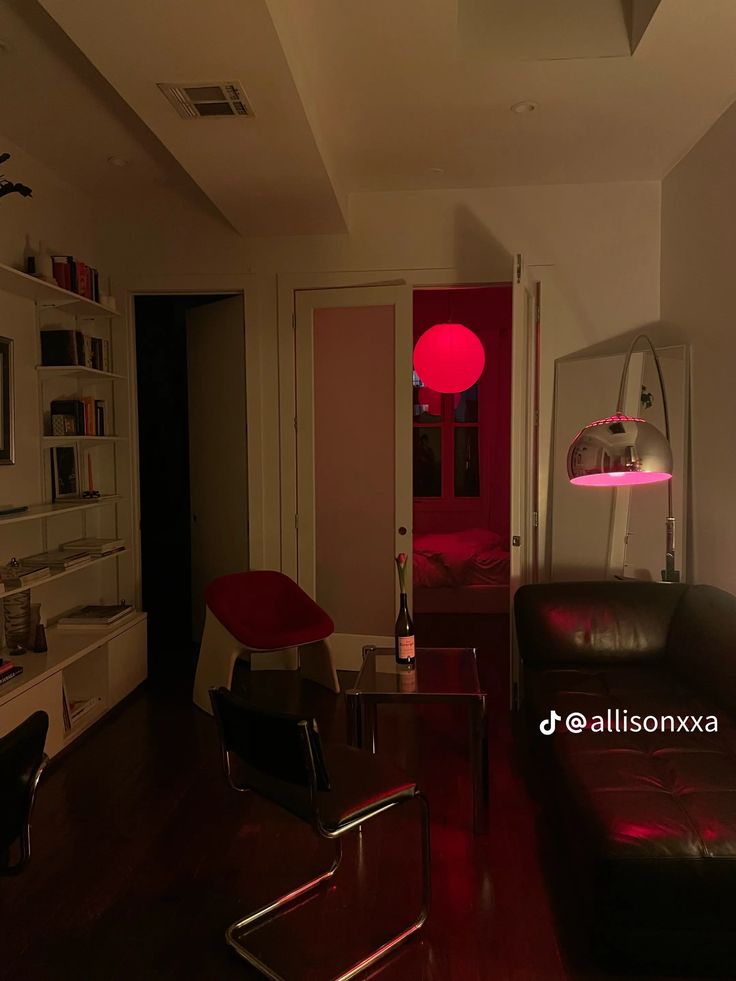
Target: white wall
(698,249)
(595,247)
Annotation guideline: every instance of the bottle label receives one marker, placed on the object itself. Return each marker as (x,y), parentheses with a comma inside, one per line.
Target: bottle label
(406,648)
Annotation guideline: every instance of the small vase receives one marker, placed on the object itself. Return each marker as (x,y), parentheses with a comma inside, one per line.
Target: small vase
(17,616)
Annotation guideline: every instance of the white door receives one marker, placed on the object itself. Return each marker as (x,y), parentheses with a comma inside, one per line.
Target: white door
(524,442)
(218,468)
(354,480)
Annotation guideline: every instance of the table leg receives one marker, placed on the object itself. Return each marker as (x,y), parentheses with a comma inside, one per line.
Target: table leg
(370,725)
(354,719)
(479,755)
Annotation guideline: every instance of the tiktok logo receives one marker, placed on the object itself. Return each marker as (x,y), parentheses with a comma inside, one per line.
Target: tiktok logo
(547,726)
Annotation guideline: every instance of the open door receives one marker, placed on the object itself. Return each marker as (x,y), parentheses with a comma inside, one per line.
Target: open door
(524,443)
(354,457)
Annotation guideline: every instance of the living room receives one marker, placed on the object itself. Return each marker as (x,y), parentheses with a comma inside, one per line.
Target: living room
(372,159)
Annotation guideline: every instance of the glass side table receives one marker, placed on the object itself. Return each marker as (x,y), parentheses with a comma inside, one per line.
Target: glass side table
(441,674)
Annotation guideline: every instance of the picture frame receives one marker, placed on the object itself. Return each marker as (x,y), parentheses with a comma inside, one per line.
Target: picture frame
(65,482)
(7,403)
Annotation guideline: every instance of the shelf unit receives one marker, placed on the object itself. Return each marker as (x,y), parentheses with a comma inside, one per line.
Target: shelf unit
(108,663)
(46,294)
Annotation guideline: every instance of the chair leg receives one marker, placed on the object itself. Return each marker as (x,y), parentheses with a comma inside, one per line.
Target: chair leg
(217,656)
(256,919)
(249,923)
(419,922)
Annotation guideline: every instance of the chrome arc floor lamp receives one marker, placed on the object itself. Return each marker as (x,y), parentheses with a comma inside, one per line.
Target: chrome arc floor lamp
(623,450)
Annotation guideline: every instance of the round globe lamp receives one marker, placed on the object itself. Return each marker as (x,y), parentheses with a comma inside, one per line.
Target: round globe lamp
(449,358)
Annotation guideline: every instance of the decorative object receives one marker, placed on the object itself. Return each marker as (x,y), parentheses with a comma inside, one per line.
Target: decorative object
(17,620)
(64,472)
(449,358)
(8,187)
(625,450)
(7,407)
(404,645)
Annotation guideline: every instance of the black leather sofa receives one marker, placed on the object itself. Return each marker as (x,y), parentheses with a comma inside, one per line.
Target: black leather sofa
(645,820)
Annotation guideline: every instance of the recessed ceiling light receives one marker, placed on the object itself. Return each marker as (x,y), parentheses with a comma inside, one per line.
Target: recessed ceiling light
(523,107)
(118,161)
(436,170)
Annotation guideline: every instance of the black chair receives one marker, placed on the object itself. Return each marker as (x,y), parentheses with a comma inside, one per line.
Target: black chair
(281,757)
(22,760)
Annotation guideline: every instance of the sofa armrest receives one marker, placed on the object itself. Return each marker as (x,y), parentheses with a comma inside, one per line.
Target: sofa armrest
(606,622)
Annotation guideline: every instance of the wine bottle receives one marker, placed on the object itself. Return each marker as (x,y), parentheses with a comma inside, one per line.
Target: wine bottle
(404,634)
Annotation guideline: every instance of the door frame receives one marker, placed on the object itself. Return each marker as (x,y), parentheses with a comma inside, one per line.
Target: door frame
(288,287)
(181,285)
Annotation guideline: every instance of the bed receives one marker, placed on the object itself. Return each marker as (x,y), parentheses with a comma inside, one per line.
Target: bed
(461,572)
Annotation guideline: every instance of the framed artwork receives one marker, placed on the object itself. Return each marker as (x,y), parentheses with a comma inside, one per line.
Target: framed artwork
(64,472)
(7,428)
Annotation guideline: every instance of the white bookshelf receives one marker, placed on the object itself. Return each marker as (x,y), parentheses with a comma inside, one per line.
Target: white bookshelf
(102,664)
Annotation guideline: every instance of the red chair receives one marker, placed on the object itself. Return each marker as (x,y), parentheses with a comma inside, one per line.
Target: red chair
(261,611)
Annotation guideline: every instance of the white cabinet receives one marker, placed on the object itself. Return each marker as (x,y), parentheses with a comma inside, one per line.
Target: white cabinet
(45,696)
(127,661)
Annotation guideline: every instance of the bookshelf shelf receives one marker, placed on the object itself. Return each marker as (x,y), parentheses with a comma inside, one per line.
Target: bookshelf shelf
(90,375)
(60,575)
(65,648)
(49,294)
(66,440)
(38,512)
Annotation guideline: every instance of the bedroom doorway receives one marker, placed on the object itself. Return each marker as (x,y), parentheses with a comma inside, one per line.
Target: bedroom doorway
(462,467)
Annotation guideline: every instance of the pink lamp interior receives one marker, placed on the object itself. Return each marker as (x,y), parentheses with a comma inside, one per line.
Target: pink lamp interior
(620,478)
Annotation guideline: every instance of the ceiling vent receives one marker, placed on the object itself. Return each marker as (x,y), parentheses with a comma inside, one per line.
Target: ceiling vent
(198,100)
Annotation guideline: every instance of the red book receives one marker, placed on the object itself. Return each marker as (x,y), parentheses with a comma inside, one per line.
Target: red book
(62,274)
(82,278)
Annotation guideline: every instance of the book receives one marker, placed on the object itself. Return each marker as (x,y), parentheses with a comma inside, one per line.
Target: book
(60,347)
(70,407)
(16,577)
(11,673)
(57,560)
(80,707)
(98,546)
(95,616)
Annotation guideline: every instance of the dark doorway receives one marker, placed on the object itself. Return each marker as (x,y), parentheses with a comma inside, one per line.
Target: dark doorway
(172,560)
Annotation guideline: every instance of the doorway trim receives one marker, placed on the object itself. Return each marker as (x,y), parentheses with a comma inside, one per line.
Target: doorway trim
(288,286)
(182,285)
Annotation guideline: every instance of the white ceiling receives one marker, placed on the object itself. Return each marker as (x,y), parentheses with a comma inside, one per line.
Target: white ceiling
(360,95)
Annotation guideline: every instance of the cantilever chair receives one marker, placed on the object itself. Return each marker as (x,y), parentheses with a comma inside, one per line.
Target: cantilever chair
(334,788)
(260,612)
(22,760)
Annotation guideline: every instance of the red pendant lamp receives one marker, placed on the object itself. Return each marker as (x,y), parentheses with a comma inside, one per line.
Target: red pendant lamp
(449,358)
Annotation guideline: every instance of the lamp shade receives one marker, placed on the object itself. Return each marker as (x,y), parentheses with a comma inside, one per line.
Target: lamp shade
(617,451)
(449,358)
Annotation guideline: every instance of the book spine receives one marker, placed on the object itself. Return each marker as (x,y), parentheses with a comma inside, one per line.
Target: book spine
(8,676)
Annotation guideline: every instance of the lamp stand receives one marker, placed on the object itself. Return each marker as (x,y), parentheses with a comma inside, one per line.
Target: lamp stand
(669,573)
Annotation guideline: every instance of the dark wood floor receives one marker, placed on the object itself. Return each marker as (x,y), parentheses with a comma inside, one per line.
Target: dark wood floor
(142,856)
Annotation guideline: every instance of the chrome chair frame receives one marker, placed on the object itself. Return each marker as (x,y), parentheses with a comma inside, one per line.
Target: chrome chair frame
(237,931)
(25,835)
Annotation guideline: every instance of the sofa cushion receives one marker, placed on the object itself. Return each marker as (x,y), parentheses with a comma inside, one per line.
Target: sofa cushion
(702,645)
(600,622)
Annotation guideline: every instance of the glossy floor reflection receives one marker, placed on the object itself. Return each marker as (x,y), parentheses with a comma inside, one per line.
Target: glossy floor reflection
(142,856)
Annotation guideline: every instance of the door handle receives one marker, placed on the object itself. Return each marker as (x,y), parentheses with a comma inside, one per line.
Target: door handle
(402,530)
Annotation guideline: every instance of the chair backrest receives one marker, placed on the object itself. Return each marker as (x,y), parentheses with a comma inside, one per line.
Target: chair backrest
(284,747)
(21,761)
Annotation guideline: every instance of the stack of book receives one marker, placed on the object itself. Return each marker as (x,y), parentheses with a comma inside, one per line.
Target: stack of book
(21,575)
(62,347)
(57,560)
(8,671)
(96,546)
(78,417)
(71,274)
(75,709)
(95,616)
